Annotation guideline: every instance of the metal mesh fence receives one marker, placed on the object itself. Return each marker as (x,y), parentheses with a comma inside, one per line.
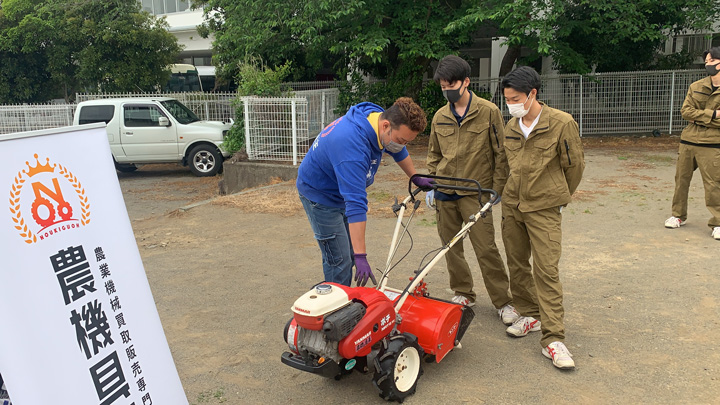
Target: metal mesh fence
(321,108)
(207,106)
(302,86)
(31,117)
(612,103)
(606,103)
(276,128)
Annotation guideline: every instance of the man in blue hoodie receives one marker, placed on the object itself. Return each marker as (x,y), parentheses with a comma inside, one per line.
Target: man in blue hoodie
(337,169)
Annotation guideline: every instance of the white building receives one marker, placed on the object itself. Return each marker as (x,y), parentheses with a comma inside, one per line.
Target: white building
(183,24)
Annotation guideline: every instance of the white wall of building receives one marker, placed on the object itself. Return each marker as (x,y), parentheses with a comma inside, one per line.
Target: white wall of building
(183,24)
(497,54)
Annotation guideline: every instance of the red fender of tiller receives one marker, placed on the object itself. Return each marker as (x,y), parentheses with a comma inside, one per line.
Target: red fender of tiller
(434,322)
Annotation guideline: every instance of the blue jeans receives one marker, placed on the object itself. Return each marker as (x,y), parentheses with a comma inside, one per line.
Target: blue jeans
(330,226)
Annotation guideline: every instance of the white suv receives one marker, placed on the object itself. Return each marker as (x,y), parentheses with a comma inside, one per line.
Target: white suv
(157,130)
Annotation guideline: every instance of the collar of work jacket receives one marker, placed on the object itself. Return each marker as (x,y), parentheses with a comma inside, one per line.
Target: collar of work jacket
(542,126)
(705,85)
(472,110)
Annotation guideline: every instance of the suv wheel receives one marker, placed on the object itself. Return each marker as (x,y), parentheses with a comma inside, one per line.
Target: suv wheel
(125,167)
(205,160)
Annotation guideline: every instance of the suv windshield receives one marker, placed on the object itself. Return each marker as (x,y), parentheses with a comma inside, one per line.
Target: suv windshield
(181,113)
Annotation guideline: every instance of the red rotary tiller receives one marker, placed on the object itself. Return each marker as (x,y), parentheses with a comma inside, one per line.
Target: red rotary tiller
(336,329)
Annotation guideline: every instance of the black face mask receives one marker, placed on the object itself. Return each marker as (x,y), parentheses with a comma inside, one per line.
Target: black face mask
(712,70)
(451,95)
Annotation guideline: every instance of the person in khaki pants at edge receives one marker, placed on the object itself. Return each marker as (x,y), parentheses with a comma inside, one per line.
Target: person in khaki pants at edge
(466,138)
(700,146)
(546,162)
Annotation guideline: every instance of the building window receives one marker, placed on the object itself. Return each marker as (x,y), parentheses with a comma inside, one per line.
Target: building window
(202,60)
(165,6)
(147,5)
(158,6)
(695,44)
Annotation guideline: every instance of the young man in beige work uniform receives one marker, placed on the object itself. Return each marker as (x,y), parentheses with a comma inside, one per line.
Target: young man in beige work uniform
(546,162)
(700,146)
(466,141)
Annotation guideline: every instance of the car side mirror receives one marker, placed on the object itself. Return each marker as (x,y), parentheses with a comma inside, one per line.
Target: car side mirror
(163,122)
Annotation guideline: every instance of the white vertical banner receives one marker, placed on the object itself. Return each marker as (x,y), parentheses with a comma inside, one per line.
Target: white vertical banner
(79,324)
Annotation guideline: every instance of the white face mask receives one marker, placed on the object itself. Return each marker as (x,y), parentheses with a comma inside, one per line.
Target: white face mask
(518,110)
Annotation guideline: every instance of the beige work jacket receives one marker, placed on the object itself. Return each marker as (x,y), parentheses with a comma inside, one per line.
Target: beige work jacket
(545,168)
(700,103)
(472,150)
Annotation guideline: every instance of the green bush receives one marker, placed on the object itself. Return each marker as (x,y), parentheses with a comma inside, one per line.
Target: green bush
(384,94)
(485,94)
(256,79)
(431,100)
(401,84)
(352,92)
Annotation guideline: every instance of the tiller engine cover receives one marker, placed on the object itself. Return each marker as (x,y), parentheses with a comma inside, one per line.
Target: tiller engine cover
(335,322)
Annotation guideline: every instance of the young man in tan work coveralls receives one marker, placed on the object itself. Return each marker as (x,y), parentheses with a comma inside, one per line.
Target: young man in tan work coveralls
(546,162)
(700,146)
(466,141)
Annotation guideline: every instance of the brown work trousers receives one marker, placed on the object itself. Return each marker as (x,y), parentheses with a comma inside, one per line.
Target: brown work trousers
(537,290)
(450,217)
(692,157)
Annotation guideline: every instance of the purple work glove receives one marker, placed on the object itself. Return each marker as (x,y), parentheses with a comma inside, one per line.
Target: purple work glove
(363,270)
(423,183)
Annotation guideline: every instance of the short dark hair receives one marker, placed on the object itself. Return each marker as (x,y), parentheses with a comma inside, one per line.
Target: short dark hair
(406,112)
(714,53)
(451,69)
(522,79)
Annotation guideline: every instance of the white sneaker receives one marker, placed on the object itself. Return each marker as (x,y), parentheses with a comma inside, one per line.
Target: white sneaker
(508,314)
(716,233)
(462,300)
(560,355)
(674,222)
(522,326)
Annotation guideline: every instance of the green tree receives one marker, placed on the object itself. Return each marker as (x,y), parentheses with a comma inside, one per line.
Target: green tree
(384,39)
(58,47)
(580,35)
(256,79)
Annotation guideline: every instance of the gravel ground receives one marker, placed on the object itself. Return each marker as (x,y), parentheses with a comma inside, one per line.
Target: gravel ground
(641,301)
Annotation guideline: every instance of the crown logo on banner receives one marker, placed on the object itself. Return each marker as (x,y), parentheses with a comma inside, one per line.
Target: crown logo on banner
(51,211)
(39,168)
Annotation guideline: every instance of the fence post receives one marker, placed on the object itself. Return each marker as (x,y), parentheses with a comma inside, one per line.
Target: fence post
(246,119)
(672,101)
(207,111)
(294,133)
(581,111)
(322,113)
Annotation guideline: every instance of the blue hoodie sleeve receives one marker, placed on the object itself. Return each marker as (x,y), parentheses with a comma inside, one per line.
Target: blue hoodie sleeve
(351,183)
(400,156)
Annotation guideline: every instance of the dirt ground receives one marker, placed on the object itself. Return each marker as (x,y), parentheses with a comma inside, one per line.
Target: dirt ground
(641,301)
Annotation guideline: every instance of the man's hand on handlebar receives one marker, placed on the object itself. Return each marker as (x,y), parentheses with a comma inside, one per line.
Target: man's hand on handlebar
(423,183)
